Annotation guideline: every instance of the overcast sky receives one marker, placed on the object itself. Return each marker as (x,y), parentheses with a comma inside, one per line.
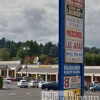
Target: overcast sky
(22,20)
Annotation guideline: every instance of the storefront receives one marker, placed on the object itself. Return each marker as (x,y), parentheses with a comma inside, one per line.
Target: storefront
(9,68)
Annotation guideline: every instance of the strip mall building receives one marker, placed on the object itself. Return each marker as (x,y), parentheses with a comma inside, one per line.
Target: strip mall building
(44,72)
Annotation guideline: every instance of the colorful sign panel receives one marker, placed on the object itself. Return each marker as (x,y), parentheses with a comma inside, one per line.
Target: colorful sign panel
(74,45)
(73,57)
(77,3)
(71,48)
(74,33)
(72,94)
(74,11)
(74,22)
(72,69)
(72,82)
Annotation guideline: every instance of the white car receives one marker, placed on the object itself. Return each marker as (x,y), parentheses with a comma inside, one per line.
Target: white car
(7,81)
(33,84)
(22,83)
(40,84)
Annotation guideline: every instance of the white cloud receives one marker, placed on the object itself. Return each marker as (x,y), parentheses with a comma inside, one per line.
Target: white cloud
(22,20)
(92,35)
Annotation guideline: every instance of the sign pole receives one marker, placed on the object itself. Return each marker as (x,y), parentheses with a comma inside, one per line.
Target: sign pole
(61,42)
(82,83)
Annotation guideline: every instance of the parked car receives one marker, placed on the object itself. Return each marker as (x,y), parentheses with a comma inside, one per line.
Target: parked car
(40,84)
(12,79)
(18,78)
(26,78)
(22,83)
(89,84)
(33,84)
(7,81)
(95,82)
(50,86)
(95,88)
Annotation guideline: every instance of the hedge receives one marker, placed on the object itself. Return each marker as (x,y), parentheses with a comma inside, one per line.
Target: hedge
(1,82)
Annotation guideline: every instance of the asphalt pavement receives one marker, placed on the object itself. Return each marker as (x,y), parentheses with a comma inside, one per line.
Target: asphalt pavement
(12,92)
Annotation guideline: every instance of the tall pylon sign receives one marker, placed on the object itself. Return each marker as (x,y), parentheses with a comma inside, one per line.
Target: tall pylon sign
(71,48)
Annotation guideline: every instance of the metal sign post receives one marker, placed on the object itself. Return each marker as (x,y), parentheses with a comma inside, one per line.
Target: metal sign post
(71,47)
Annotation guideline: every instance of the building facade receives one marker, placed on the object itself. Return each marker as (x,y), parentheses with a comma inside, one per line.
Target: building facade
(9,68)
(14,69)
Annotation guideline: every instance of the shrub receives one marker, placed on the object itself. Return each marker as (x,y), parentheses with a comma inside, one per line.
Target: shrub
(1,82)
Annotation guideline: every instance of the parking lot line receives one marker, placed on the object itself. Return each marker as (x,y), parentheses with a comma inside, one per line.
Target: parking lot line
(28,93)
(12,94)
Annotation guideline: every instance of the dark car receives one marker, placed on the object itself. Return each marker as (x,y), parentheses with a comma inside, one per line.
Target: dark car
(95,88)
(26,78)
(18,78)
(50,86)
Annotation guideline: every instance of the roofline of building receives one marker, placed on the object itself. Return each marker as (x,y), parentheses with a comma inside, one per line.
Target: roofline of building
(10,62)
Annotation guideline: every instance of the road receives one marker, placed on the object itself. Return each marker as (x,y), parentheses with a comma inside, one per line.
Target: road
(11,92)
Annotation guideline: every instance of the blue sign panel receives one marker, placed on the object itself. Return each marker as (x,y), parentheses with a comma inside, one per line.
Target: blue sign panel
(72,69)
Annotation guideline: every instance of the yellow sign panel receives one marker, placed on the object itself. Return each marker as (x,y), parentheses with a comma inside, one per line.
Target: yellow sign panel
(73,94)
(43,66)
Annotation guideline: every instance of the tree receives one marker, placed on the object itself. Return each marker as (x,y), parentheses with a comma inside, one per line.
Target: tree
(56,59)
(27,60)
(43,57)
(13,50)
(48,61)
(90,59)
(2,42)
(33,48)
(4,55)
(21,54)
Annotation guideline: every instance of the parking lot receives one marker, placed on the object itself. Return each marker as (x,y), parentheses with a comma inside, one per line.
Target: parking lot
(12,92)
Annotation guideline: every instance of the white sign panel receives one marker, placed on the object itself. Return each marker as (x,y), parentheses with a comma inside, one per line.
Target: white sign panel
(73,57)
(74,22)
(74,45)
(72,82)
(74,34)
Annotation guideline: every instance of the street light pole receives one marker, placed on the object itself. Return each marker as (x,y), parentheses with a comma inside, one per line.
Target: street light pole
(26,48)
(26,68)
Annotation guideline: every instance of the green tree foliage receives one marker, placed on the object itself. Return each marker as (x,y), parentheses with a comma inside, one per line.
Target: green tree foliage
(4,55)
(55,59)
(90,59)
(43,57)
(21,54)
(12,50)
(33,48)
(16,51)
(2,42)
(92,56)
(50,49)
